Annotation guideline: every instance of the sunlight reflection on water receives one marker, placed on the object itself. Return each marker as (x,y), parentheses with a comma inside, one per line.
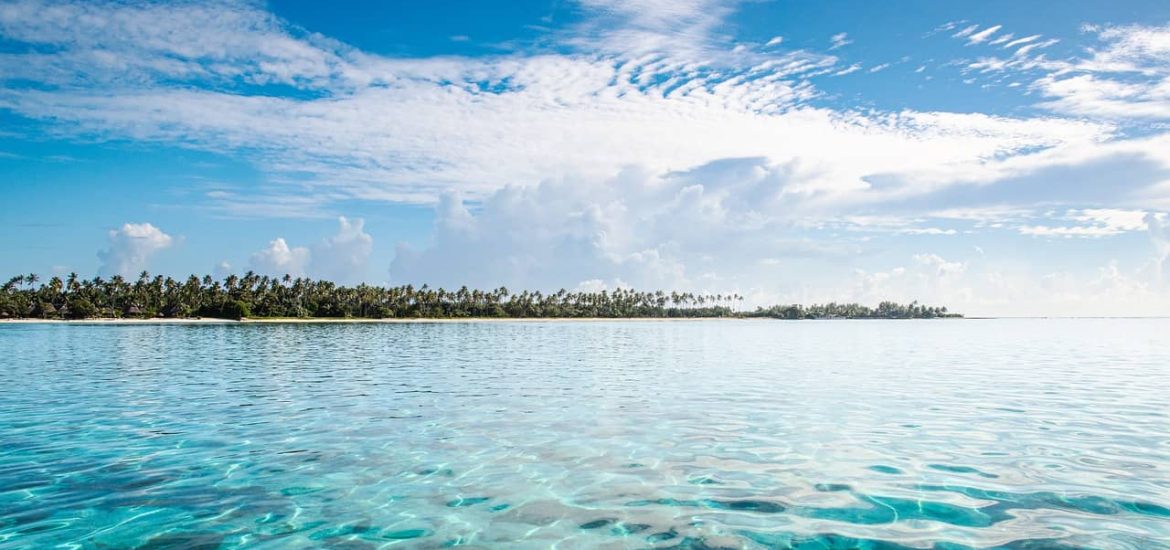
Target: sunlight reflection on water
(699,434)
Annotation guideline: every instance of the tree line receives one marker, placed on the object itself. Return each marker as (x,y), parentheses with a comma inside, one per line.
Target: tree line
(884,310)
(261,296)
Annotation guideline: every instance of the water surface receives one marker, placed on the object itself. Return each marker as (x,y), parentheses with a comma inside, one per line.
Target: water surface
(700,434)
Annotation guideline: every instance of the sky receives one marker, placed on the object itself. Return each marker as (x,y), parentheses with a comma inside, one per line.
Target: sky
(996,157)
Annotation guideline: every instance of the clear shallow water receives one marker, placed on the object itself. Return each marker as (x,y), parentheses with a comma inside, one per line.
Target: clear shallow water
(732,434)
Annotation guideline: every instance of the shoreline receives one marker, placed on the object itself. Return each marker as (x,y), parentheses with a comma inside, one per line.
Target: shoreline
(339,320)
(448,320)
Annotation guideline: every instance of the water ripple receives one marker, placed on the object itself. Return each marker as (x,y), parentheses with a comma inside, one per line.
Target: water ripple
(696,435)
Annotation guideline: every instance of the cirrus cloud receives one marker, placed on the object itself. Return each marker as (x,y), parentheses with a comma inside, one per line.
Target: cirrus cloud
(645,147)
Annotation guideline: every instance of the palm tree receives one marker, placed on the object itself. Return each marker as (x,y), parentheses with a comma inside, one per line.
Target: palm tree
(265,296)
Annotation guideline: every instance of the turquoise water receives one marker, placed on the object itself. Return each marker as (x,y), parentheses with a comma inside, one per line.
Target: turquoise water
(706,434)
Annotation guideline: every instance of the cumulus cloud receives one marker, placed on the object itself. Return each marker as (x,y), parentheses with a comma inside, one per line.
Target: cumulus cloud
(941,267)
(221,270)
(985,289)
(730,226)
(645,150)
(1159,228)
(131,247)
(278,259)
(701,229)
(342,257)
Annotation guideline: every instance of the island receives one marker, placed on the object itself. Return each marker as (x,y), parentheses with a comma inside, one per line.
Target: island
(254,296)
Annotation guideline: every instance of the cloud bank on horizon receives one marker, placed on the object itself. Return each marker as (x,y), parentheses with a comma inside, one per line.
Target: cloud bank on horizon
(984,164)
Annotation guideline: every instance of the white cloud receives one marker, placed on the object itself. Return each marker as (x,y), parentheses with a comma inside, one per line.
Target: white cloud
(126,43)
(775,41)
(1120,220)
(518,138)
(406,145)
(1136,48)
(131,247)
(657,14)
(983,35)
(643,26)
(966,31)
(1066,231)
(1025,50)
(1089,95)
(278,259)
(221,270)
(1126,76)
(1159,228)
(1092,223)
(407,129)
(1001,39)
(343,257)
(928,231)
(646,151)
(848,70)
(648,230)
(1020,41)
(941,267)
(729,227)
(981,289)
(928,279)
(839,40)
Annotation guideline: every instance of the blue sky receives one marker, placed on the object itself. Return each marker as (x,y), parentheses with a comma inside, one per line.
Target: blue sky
(997,157)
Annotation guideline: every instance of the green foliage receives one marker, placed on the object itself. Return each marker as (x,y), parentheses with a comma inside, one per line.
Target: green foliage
(885,310)
(383,312)
(9,306)
(79,307)
(235,309)
(44,310)
(260,296)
